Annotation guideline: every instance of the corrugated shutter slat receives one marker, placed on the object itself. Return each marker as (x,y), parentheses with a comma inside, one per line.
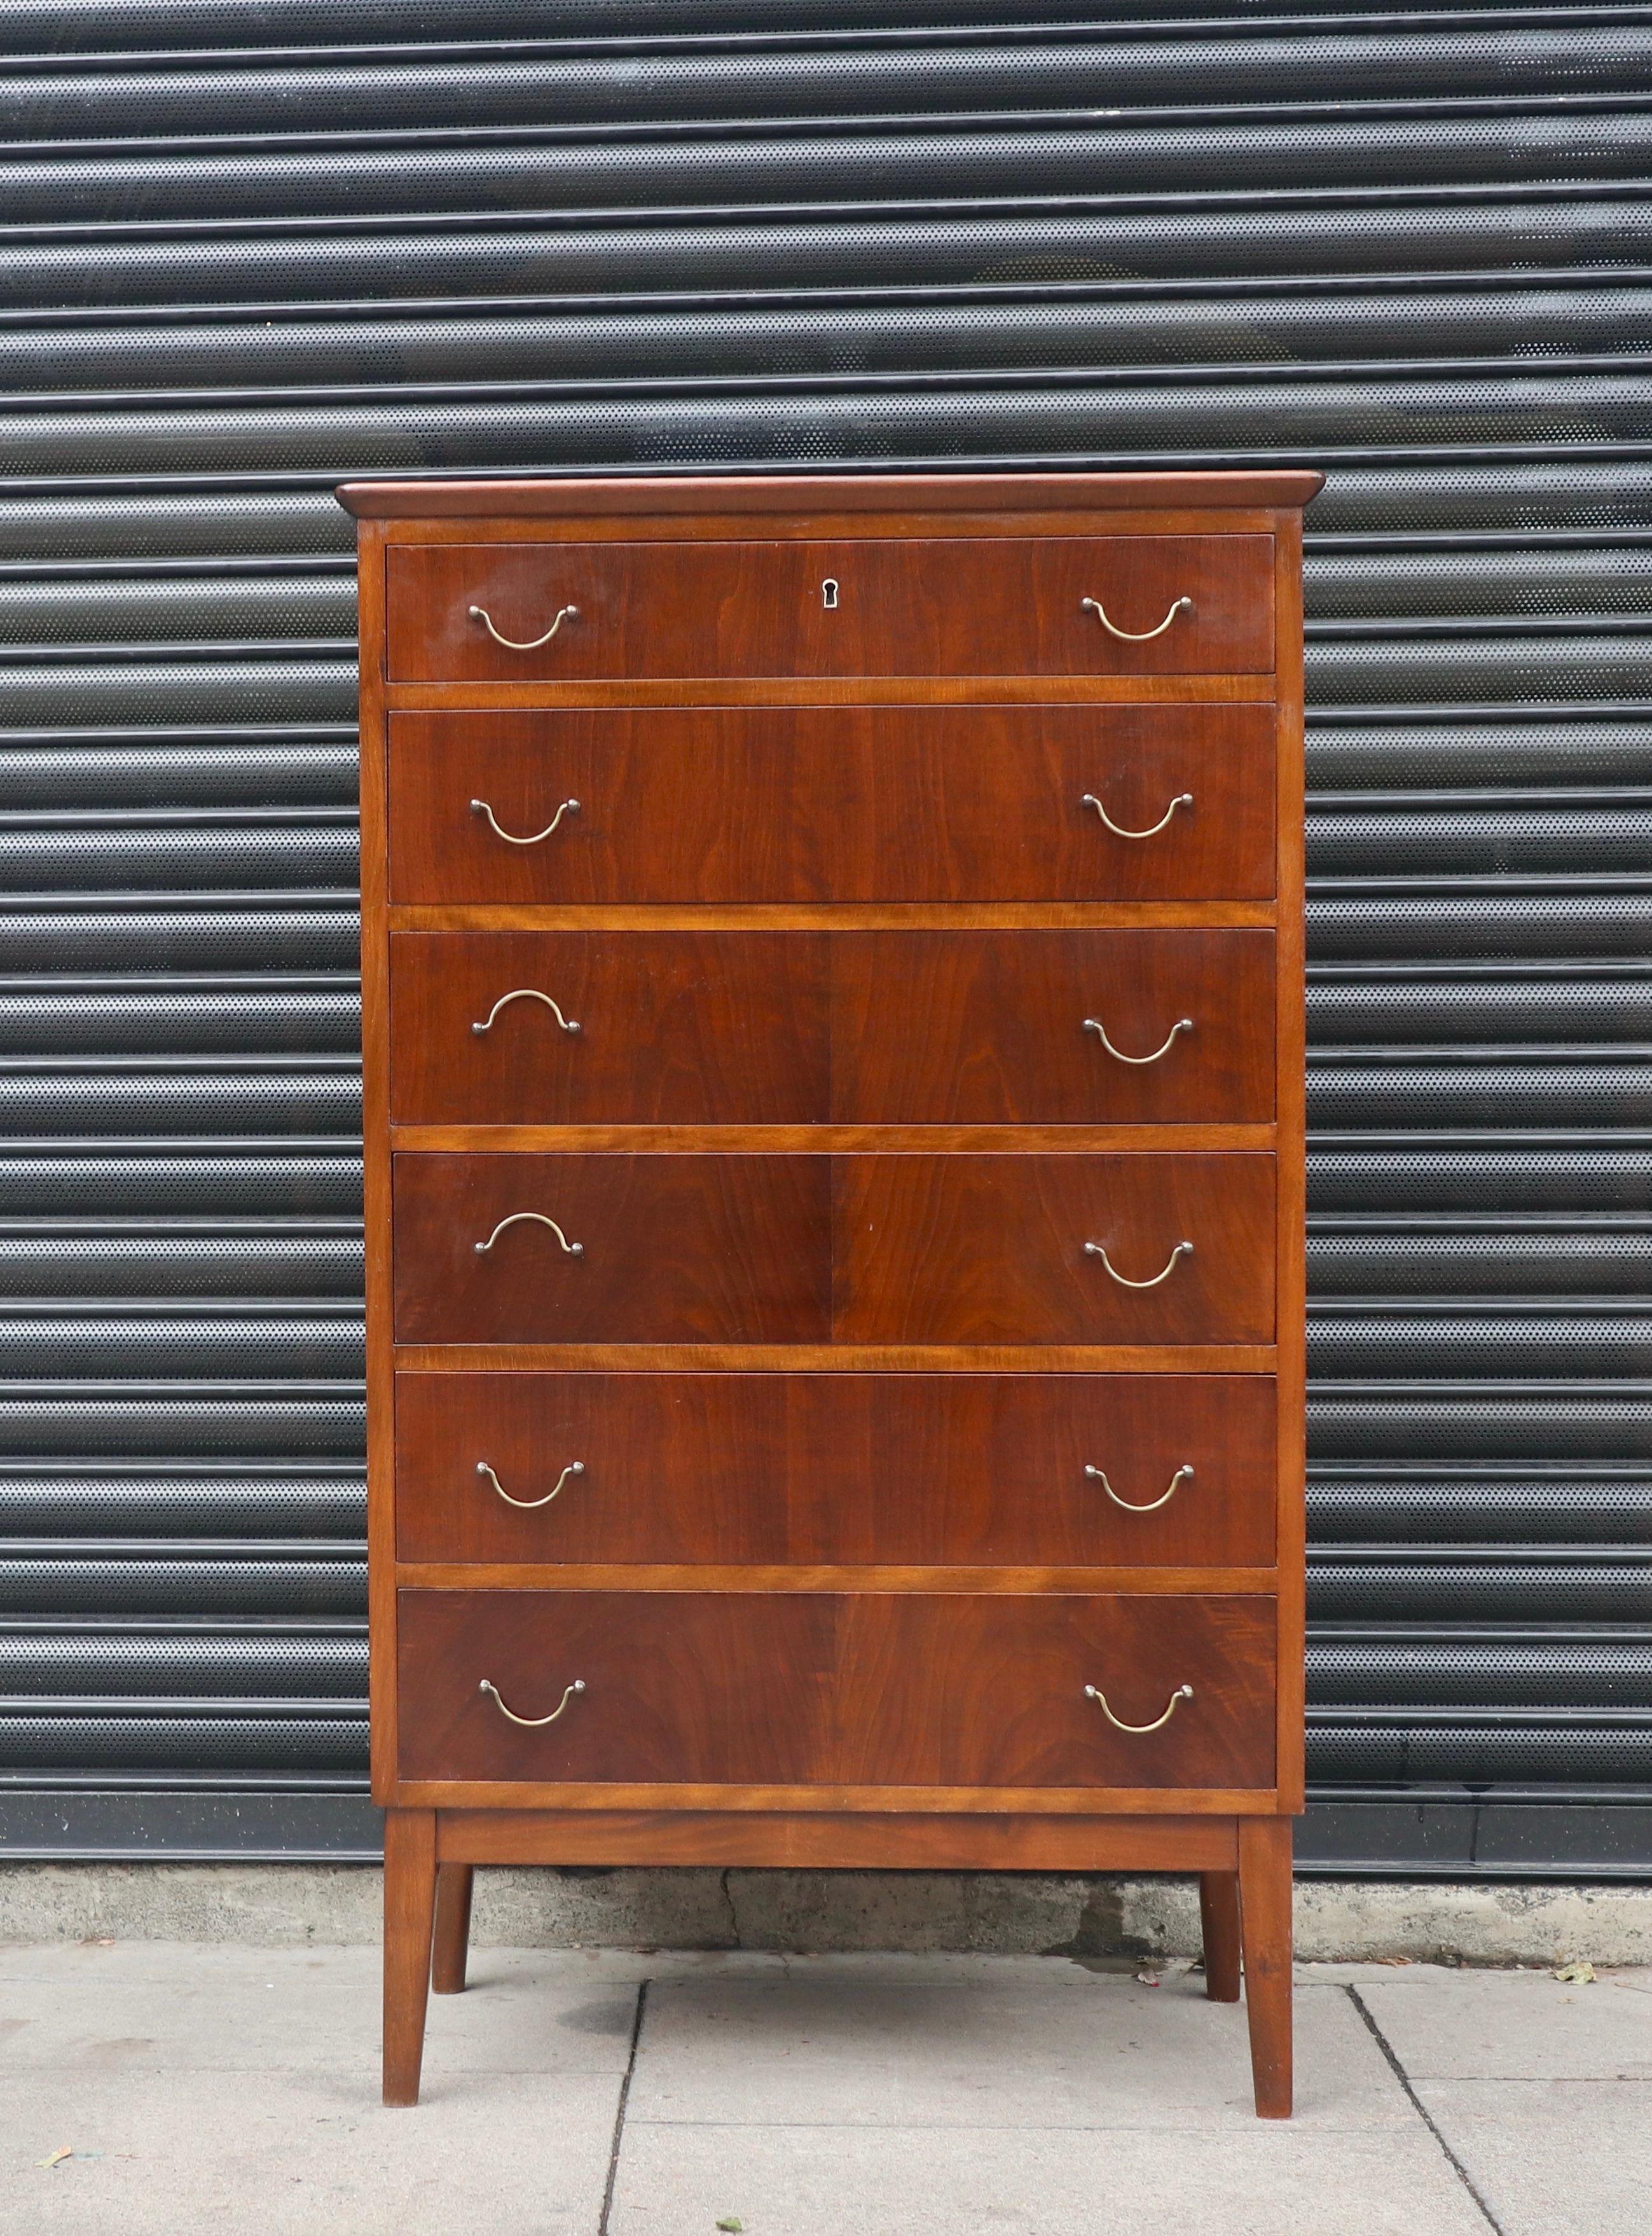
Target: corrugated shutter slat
(248,252)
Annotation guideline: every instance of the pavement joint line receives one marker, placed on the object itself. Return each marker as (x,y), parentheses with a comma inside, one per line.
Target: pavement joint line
(1422,2110)
(1123,2127)
(606,2215)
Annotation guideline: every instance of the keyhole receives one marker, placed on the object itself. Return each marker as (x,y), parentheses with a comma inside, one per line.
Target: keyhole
(828,593)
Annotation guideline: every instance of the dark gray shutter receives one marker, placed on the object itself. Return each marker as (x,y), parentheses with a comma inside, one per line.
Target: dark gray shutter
(254,246)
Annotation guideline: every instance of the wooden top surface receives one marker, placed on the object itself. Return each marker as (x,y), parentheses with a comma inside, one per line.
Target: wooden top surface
(575,495)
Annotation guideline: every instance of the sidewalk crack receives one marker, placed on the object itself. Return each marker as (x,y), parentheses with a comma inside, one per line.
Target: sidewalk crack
(1422,2110)
(728,1893)
(619,2113)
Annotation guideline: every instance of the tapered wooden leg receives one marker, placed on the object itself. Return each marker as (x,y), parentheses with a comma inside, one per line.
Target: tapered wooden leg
(453,1929)
(1219,1917)
(410,1902)
(1265,1929)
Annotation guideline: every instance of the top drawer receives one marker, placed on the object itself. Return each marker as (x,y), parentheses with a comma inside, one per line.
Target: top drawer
(1116,605)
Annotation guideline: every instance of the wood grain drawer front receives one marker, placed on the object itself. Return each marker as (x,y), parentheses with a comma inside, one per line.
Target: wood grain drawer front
(1084,1028)
(643,1249)
(898,1690)
(1081,1028)
(1015,1248)
(820,804)
(991,1689)
(672,1028)
(679,1688)
(942,1249)
(1110,605)
(967,1469)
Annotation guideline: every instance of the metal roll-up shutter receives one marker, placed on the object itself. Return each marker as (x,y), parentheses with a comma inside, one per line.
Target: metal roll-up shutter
(256,246)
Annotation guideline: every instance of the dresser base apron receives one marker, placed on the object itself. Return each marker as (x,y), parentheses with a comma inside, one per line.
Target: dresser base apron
(1243,1865)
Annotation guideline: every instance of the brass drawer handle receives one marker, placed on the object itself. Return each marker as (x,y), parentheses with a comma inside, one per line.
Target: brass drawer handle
(481,807)
(1088,799)
(1183,1692)
(1125,637)
(1095,1025)
(1096,1474)
(532,644)
(574,1249)
(574,1467)
(532,1723)
(568,1024)
(1094,1250)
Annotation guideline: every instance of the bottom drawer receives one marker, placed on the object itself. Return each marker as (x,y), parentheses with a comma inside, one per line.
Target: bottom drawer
(823,1688)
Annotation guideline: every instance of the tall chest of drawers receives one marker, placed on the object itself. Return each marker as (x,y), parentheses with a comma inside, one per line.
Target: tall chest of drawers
(833,1018)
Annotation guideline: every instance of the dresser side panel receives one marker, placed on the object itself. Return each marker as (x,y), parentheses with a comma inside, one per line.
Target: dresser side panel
(1291,1165)
(375,1121)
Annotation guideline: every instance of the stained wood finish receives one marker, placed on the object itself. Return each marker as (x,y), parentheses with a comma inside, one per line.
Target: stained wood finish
(887,1841)
(410,1897)
(1219,1924)
(989,1028)
(685,1027)
(961,1469)
(673,1250)
(831,1141)
(1290,1234)
(451,1944)
(375,1171)
(903,607)
(868,1028)
(988,1691)
(814,691)
(837,1359)
(845,916)
(777,804)
(834,1315)
(896,1690)
(706,1687)
(858,1250)
(974,1249)
(818,1577)
(1265,1927)
(1218,1802)
(905,499)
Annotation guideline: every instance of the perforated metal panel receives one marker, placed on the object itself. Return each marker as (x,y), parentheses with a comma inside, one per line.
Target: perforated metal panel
(256,246)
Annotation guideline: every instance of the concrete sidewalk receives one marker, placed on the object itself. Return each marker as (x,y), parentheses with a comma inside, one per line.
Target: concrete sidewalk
(597,2093)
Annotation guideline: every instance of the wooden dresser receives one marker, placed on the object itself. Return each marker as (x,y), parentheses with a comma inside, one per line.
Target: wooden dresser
(833,998)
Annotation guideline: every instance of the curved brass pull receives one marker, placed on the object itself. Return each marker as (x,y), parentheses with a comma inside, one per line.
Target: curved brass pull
(1096,1474)
(1125,637)
(574,1249)
(532,644)
(1088,799)
(1094,1250)
(568,1024)
(574,1467)
(481,807)
(1183,1692)
(1095,1025)
(532,1723)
